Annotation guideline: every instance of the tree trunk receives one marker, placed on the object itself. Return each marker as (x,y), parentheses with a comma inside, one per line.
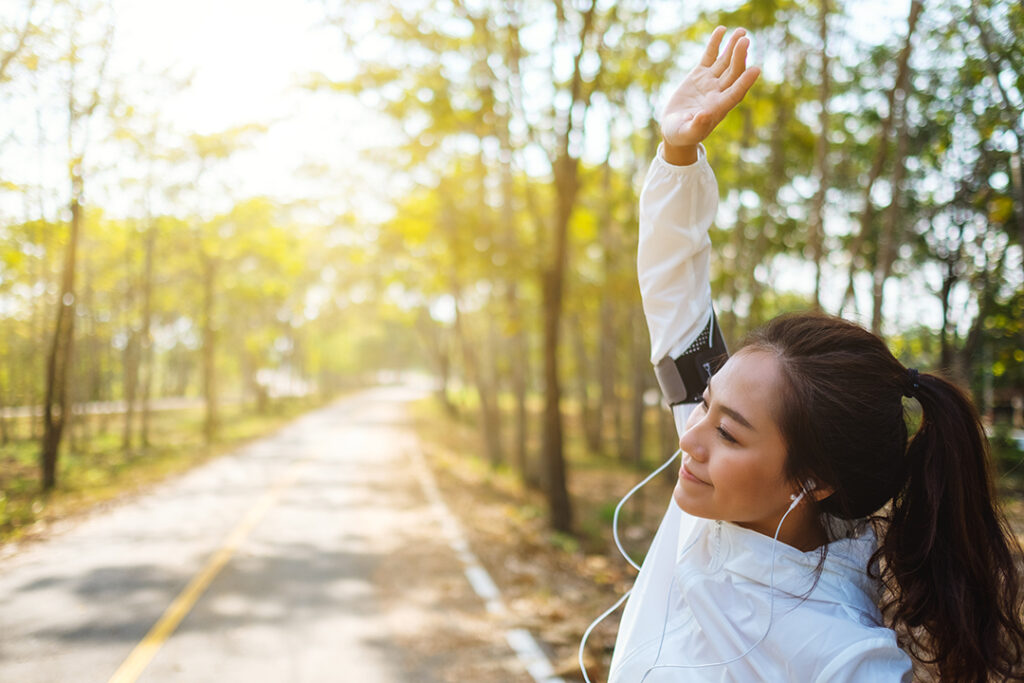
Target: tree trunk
(868,212)
(776,177)
(58,364)
(510,242)
(559,507)
(520,373)
(589,417)
(146,356)
(438,349)
(5,393)
(566,181)
(130,357)
(489,427)
(947,333)
(889,239)
(973,346)
(39,332)
(493,387)
(606,349)
(209,341)
(741,270)
(131,383)
(816,236)
(945,344)
(618,402)
(641,372)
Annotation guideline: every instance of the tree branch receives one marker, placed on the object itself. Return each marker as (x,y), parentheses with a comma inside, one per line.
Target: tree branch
(9,56)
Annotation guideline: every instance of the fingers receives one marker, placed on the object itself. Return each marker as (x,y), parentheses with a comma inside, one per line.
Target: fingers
(735,92)
(722,63)
(711,53)
(737,63)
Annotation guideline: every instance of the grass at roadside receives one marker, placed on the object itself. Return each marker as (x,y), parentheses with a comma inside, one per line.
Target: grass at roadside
(94,467)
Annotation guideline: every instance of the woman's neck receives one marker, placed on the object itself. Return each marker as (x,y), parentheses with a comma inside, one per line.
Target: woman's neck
(801,529)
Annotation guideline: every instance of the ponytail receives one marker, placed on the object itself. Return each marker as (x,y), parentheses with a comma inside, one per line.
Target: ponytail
(947,555)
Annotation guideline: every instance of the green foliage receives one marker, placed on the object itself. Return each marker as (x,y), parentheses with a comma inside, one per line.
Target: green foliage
(491,117)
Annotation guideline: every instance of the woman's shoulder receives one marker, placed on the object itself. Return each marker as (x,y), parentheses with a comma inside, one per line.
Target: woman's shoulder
(876,658)
(842,640)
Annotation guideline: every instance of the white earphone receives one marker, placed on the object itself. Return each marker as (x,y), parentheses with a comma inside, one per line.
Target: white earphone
(807,486)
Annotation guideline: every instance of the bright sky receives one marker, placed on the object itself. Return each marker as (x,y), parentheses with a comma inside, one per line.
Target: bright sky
(249,57)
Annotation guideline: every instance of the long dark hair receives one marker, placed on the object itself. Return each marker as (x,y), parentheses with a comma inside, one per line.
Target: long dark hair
(946,555)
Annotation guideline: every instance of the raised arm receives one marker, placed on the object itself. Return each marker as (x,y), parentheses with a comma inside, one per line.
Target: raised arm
(677,206)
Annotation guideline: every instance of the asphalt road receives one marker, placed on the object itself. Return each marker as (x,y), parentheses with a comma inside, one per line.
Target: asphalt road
(310,555)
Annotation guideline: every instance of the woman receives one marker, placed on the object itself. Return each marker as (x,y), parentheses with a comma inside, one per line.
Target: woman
(835,531)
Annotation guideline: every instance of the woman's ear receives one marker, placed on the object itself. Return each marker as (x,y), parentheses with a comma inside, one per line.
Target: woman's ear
(816,491)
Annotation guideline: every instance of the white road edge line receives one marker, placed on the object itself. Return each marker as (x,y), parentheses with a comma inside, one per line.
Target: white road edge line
(522,642)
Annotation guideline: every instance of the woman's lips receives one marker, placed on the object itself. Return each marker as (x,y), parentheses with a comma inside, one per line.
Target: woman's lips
(685,473)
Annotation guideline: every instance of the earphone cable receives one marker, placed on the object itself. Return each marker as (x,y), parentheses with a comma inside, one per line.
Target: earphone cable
(615,517)
(618,603)
(622,551)
(771,610)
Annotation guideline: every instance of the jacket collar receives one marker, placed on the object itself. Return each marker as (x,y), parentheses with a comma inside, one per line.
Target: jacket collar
(747,554)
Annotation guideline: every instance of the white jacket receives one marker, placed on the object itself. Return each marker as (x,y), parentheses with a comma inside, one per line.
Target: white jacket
(702,595)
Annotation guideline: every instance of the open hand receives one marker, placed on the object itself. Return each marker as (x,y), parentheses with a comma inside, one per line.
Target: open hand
(708,92)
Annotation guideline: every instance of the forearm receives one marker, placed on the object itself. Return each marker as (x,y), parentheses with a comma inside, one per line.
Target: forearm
(677,206)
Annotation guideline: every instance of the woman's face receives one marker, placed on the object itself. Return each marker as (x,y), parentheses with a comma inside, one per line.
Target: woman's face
(733,451)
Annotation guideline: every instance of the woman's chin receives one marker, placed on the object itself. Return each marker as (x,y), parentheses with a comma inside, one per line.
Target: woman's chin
(685,501)
(691,503)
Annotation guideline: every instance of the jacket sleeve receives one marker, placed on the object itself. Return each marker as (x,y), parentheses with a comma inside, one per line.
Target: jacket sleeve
(677,207)
(877,660)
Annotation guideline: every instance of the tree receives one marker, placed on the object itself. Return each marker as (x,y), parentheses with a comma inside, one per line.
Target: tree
(83,100)
(21,36)
(204,151)
(469,72)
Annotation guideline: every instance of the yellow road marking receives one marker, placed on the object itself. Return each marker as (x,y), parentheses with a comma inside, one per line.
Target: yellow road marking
(147,648)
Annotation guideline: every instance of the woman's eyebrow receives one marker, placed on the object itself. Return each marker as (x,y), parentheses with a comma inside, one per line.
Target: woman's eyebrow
(734,414)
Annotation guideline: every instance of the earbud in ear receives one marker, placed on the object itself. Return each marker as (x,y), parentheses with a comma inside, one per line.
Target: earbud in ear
(806,487)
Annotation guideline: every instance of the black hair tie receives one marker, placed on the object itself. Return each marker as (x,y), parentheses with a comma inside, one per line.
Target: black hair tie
(915,383)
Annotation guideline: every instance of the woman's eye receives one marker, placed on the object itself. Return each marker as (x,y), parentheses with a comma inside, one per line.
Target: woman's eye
(721,430)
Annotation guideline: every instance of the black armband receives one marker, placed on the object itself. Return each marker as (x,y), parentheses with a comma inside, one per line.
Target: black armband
(684,379)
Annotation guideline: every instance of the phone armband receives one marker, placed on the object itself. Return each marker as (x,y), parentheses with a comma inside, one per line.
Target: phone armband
(683,379)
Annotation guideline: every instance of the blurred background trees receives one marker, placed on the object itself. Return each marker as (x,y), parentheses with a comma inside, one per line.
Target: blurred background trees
(874,172)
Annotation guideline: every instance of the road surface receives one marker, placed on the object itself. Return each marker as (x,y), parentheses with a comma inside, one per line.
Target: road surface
(310,555)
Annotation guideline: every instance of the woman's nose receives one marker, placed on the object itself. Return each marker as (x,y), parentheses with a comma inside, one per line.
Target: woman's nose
(690,444)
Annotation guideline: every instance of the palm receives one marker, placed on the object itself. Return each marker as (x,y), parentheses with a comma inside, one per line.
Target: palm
(708,92)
